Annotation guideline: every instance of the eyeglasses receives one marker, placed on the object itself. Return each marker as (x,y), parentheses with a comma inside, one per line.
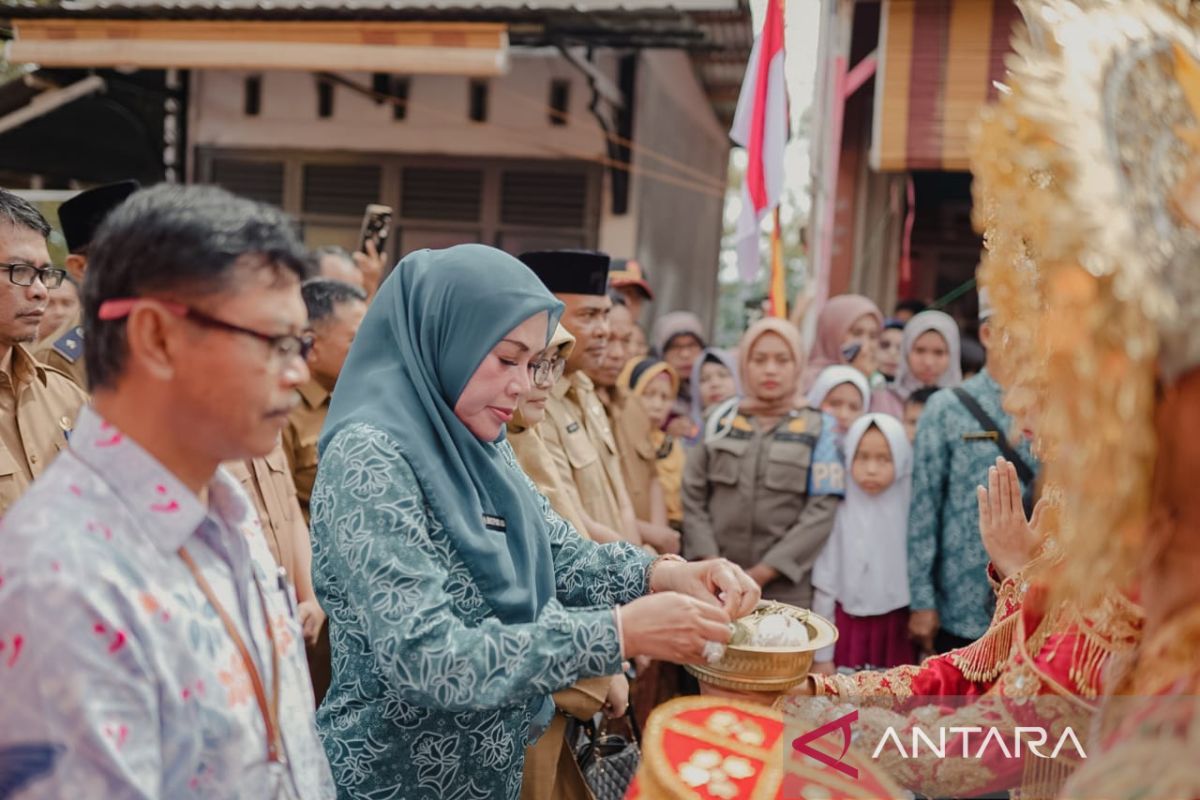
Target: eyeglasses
(545,372)
(23,274)
(284,346)
(684,346)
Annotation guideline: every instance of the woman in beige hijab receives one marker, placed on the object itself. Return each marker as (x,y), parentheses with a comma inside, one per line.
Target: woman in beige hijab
(762,487)
(531,452)
(551,771)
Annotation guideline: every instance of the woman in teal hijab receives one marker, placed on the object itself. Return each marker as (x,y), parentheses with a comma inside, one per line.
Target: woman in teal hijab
(458,601)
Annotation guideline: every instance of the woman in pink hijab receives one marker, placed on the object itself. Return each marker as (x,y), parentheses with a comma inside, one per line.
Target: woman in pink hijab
(845,320)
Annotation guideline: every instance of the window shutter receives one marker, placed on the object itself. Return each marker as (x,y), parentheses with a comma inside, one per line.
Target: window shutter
(544,199)
(258,180)
(342,189)
(441,194)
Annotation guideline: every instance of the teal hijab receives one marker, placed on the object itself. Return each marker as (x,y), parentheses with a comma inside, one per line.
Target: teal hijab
(434,320)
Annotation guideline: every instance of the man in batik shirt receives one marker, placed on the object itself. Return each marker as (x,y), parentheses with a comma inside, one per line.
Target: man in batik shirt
(148,646)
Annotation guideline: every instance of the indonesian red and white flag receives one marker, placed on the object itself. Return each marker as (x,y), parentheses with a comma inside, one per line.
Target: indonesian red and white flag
(760,125)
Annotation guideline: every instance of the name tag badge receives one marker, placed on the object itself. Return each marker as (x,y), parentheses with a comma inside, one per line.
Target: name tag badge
(497,524)
(982,436)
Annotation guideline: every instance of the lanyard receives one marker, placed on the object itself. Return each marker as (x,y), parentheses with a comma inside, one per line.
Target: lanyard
(269,710)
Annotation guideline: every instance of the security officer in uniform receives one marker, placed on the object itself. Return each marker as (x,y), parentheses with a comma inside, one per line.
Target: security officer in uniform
(763,504)
(335,310)
(79,217)
(38,404)
(576,430)
(762,488)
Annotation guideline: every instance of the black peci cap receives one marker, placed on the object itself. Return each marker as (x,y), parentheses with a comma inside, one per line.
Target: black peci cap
(570,271)
(82,214)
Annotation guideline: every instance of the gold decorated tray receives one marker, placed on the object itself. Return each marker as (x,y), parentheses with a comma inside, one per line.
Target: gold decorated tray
(751,668)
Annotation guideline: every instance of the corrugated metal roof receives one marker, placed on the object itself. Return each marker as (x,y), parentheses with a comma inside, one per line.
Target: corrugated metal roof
(431,6)
(717,32)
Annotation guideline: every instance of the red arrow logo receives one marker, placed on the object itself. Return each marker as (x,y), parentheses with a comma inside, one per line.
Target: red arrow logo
(801,744)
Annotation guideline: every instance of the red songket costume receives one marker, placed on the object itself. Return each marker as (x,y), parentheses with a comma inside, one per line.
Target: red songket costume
(1035,667)
(1087,167)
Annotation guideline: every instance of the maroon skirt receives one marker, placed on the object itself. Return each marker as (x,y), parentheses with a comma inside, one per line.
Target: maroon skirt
(878,642)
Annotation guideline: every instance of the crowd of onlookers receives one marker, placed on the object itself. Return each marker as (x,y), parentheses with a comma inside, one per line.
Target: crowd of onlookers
(878,527)
(838,476)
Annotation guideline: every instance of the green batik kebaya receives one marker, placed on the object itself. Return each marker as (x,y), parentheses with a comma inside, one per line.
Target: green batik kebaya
(458,601)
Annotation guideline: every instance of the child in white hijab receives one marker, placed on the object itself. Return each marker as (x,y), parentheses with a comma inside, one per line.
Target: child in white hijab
(842,392)
(861,577)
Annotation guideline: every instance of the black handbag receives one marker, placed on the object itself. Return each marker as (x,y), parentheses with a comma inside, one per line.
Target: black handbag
(609,760)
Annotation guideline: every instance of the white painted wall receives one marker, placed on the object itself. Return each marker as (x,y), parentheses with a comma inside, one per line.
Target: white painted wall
(674,230)
(437,120)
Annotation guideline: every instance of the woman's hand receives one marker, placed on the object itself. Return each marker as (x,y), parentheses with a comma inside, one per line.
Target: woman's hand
(670,626)
(806,689)
(823,668)
(312,617)
(681,428)
(370,263)
(923,626)
(866,361)
(762,574)
(1010,540)
(617,701)
(662,538)
(715,580)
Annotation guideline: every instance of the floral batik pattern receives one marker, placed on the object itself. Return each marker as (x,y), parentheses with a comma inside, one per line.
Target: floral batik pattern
(117,677)
(432,696)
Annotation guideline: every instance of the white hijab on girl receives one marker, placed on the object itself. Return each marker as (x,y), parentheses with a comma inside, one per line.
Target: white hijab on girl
(833,377)
(864,565)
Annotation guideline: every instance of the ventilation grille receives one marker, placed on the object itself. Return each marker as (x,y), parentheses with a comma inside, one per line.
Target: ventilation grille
(258,180)
(343,189)
(442,194)
(544,199)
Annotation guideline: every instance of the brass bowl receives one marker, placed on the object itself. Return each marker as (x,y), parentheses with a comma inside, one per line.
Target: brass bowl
(768,669)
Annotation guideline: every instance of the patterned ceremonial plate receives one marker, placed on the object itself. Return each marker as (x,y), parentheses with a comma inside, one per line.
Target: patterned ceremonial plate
(698,748)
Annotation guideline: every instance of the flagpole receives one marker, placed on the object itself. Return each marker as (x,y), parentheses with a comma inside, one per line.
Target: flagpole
(778,268)
(778,290)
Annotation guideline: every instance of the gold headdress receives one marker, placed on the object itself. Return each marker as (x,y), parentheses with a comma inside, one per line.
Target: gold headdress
(1088,165)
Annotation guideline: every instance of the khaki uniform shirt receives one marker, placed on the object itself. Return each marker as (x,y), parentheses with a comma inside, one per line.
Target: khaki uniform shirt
(38,406)
(268,481)
(746,498)
(539,465)
(634,435)
(551,771)
(670,459)
(300,439)
(63,350)
(578,437)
